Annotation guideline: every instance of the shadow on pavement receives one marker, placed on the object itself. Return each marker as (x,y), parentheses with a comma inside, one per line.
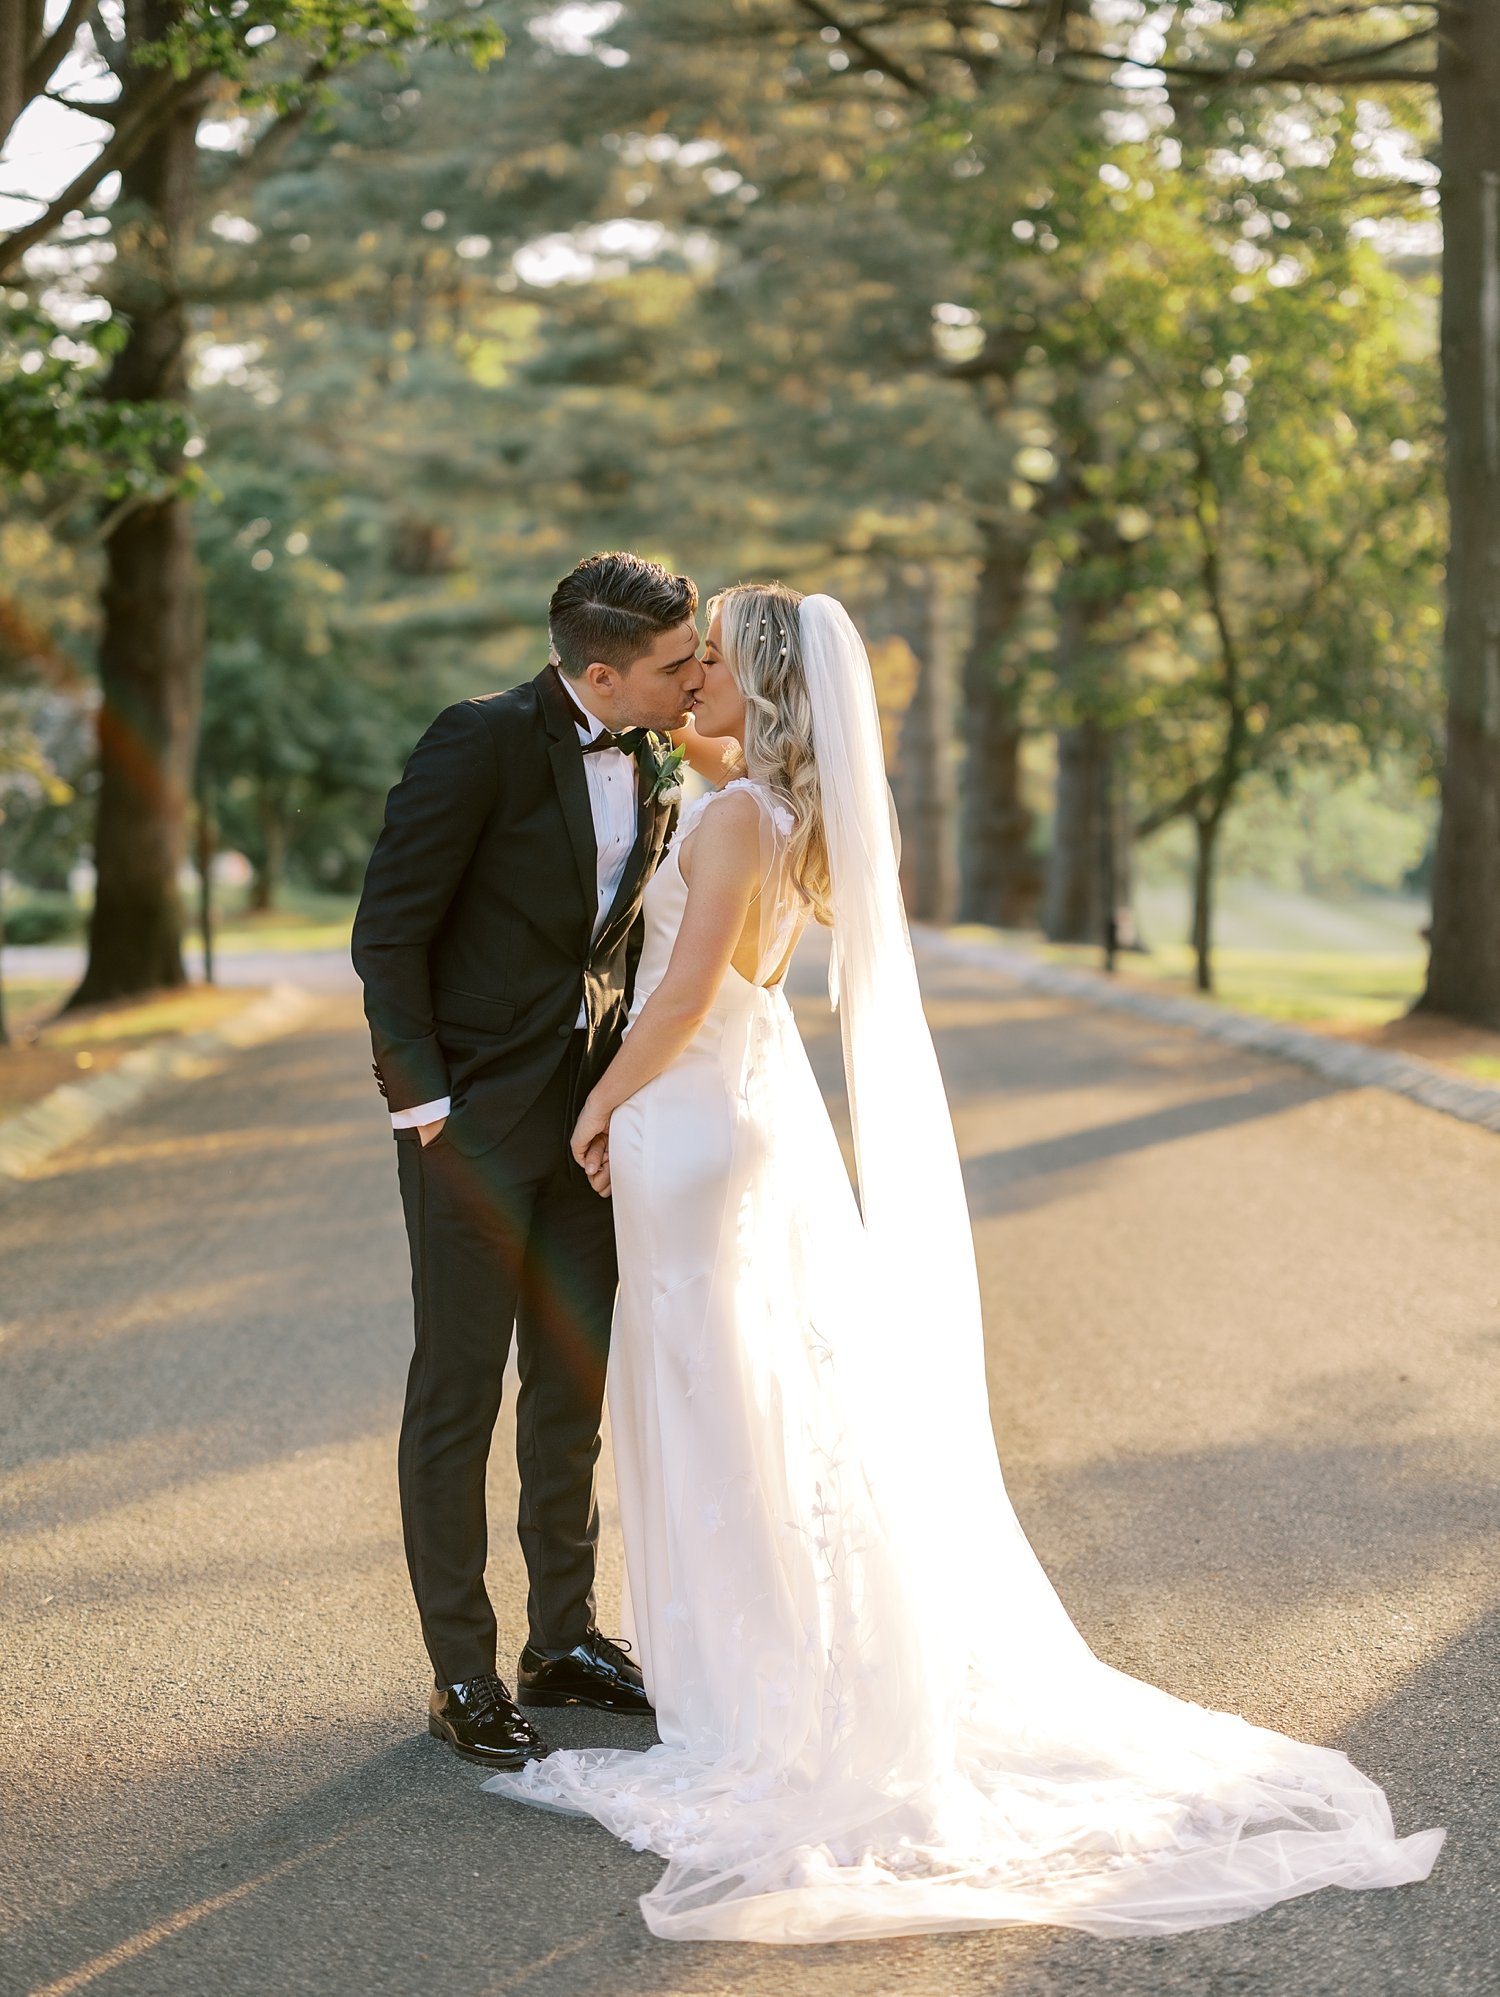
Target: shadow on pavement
(1274,1520)
(400,1875)
(1000,1182)
(244,1297)
(193,1294)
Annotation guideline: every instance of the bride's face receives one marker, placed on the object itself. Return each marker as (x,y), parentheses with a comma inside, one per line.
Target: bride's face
(720,706)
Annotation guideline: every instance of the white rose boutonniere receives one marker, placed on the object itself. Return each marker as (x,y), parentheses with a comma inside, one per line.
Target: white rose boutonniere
(666,782)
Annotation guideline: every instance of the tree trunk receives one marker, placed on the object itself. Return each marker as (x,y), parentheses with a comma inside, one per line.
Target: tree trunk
(19,23)
(1121,870)
(207,845)
(1079,904)
(925,765)
(1207,831)
(1091,865)
(270,867)
(1463,973)
(1000,876)
(1109,827)
(151,649)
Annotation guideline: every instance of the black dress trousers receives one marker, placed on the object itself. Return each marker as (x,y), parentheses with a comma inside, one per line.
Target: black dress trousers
(515,1239)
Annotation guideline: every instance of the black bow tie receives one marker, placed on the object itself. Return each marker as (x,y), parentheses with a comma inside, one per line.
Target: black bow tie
(627,741)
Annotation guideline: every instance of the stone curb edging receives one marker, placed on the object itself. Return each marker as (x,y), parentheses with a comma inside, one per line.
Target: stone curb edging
(72,1110)
(1339,1060)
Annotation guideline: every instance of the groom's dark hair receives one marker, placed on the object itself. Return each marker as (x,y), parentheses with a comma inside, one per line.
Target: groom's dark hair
(613,608)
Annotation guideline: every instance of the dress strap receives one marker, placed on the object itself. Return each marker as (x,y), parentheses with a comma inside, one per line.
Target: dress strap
(779,814)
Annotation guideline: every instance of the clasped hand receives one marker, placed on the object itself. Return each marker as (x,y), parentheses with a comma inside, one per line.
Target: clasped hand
(590,1146)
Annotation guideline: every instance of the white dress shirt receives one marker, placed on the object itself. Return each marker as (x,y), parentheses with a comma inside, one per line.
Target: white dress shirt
(611,779)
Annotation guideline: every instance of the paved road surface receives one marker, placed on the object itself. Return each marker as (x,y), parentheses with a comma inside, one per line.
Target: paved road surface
(1244,1335)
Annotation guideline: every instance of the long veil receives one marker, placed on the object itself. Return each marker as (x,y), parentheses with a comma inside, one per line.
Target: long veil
(923,1348)
(876,1714)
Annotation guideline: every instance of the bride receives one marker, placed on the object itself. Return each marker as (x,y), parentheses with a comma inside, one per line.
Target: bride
(875,1714)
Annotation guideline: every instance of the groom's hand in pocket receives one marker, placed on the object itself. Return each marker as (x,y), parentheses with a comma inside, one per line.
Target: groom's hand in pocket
(429,1131)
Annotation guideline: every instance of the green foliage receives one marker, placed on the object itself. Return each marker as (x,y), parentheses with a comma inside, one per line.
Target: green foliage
(241,43)
(32,721)
(55,426)
(301,734)
(1320,833)
(43,918)
(710,291)
(1226,425)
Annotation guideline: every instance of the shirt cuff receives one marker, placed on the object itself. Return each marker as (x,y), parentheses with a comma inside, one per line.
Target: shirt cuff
(409,1119)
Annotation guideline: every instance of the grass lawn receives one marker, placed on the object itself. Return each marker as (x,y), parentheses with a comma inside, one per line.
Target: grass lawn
(46,1051)
(1350,968)
(304,921)
(1338,988)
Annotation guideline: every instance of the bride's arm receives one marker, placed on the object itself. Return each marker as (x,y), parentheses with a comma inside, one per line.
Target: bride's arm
(726,871)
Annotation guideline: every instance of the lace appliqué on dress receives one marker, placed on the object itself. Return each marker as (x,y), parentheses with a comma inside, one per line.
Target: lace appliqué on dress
(780,814)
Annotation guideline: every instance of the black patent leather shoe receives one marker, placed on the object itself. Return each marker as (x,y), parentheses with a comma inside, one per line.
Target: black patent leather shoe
(478,1719)
(595,1673)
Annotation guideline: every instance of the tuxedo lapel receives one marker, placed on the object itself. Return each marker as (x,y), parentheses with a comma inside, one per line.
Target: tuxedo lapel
(651,829)
(566,756)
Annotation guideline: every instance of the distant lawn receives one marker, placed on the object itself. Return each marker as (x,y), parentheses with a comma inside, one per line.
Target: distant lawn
(127,1024)
(1332,987)
(1250,915)
(1350,967)
(46,1051)
(1280,954)
(28,1001)
(303,920)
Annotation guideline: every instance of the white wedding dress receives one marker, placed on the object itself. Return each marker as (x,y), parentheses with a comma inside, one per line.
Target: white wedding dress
(876,1716)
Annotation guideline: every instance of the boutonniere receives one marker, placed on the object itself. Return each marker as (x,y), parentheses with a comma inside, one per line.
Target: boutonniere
(666,780)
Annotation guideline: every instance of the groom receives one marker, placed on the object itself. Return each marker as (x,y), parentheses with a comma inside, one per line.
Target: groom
(494,938)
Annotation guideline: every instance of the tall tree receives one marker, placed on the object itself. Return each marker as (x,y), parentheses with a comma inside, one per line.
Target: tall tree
(1195,59)
(1000,879)
(172,59)
(1273,50)
(1463,973)
(932,816)
(1287,615)
(151,643)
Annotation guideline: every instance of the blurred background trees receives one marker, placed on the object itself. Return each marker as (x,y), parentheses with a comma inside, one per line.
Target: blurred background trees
(1094,356)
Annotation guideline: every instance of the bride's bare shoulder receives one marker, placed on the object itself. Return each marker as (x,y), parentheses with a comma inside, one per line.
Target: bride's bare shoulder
(726,825)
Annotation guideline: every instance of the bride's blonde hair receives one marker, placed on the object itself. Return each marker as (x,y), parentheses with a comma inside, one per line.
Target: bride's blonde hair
(762,646)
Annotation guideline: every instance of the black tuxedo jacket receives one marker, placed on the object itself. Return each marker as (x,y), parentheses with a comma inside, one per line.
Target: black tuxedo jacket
(474,935)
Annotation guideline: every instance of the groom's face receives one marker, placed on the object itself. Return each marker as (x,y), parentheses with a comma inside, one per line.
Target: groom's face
(656,690)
